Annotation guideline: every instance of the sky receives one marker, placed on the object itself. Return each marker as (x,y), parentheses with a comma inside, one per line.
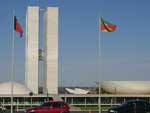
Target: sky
(124,54)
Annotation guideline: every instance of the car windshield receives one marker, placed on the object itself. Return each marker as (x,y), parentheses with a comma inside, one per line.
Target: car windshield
(45,105)
(124,104)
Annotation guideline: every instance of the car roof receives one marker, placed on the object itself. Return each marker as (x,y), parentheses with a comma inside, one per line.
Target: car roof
(136,100)
(130,101)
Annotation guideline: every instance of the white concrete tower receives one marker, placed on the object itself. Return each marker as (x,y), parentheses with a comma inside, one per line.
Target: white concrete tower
(51,50)
(32,47)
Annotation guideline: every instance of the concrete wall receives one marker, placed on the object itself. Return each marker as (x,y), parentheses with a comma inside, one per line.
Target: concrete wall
(51,50)
(32,45)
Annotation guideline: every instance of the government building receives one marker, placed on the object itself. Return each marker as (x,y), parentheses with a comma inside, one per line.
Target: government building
(111,93)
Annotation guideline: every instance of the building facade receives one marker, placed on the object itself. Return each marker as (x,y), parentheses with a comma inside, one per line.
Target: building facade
(51,50)
(32,47)
(50,47)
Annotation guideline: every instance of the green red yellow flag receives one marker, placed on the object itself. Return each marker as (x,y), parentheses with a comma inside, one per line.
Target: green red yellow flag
(106,26)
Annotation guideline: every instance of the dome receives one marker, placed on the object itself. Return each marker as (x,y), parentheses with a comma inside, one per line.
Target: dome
(5,88)
(126,87)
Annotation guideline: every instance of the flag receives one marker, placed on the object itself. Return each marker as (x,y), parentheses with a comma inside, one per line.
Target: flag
(17,27)
(106,26)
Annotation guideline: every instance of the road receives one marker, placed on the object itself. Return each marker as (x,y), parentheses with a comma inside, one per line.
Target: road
(70,112)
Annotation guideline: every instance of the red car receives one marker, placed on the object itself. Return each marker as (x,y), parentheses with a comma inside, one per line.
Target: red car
(50,107)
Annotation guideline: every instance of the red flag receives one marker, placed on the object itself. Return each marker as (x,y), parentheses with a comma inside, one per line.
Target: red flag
(17,27)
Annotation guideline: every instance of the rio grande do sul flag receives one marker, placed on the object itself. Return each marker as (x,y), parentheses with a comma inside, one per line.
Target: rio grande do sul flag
(106,26)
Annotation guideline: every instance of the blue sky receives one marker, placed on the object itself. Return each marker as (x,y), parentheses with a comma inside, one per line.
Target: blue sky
(124,53)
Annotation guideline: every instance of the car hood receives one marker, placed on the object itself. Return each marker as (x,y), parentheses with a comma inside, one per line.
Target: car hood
(32,109)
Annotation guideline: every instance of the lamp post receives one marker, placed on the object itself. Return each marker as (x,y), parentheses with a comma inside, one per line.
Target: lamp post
(31,94)
(47,95)
(99,96)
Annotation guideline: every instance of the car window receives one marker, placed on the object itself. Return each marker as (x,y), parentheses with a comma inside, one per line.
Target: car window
(62,105)
(56,105)
(124,104)
(46,105)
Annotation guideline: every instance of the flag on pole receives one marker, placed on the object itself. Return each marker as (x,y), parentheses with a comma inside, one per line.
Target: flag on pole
(106,26)
(17,27)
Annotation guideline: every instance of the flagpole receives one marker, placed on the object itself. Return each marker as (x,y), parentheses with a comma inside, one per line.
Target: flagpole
(12,71)
(99,67)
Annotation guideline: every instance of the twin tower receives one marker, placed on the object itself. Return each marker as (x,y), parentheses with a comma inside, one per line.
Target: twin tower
(50,49)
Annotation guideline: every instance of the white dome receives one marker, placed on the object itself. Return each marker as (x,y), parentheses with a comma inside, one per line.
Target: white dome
(5,88)
(126,87)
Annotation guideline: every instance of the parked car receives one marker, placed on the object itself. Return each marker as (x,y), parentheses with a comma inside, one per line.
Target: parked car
(132,106)
(50,107)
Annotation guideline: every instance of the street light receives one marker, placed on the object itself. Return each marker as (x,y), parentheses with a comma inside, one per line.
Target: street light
(31,94)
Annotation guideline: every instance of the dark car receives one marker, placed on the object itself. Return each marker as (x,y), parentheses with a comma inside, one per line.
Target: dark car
(50,107)
(132,106)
